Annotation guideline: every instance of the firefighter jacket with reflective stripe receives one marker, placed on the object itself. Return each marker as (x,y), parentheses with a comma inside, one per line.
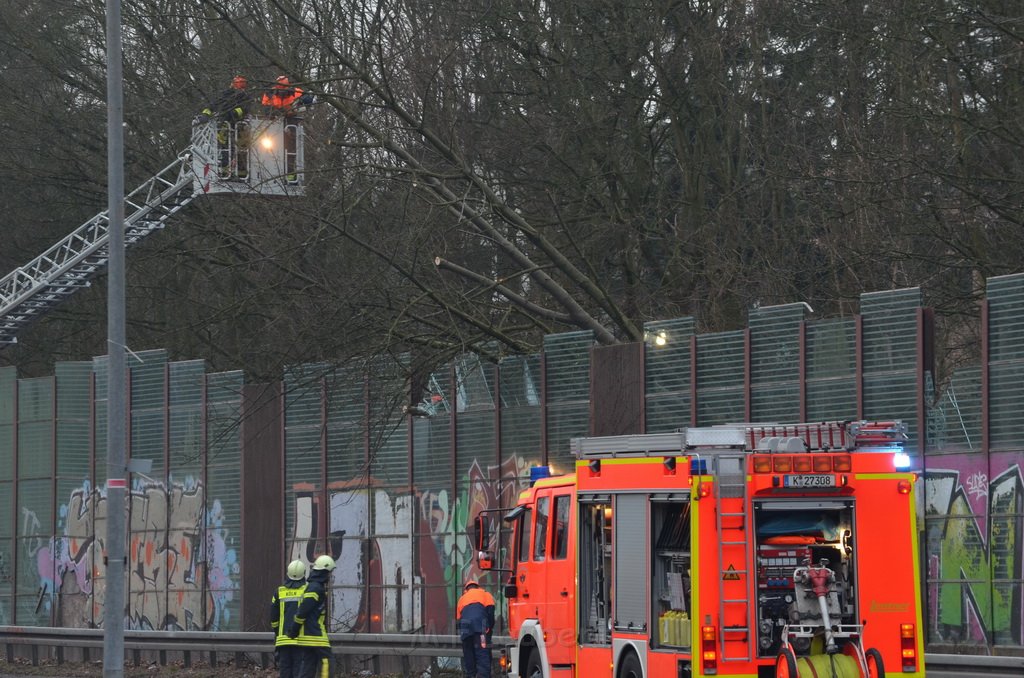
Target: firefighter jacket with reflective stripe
(283,607)
(232,105)
(312,612)
(282,98)
(475,613)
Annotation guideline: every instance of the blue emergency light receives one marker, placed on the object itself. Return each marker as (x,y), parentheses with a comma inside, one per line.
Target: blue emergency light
(539,473)
(901,460)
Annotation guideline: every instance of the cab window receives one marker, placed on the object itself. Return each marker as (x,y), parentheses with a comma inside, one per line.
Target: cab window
(540,532)
(560,536)
(525,522)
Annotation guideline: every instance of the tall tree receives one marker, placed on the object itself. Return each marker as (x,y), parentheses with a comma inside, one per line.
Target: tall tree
(485,172)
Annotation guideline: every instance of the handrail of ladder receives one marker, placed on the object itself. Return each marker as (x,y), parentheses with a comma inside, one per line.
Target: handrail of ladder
(25,281)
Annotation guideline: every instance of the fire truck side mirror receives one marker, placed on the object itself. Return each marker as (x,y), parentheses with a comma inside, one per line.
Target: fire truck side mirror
(481,528)
(482,531)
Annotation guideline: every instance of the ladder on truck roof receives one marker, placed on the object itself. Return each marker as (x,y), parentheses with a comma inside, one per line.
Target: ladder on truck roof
(30,291)
(819,436)
(733,439)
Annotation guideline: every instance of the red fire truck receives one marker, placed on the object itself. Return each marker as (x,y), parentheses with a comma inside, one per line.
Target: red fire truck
(749,550)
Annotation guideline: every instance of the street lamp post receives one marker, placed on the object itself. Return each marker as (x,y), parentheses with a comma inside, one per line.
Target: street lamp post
(113,606)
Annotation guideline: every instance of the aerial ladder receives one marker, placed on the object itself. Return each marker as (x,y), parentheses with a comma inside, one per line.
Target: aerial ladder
(272,152)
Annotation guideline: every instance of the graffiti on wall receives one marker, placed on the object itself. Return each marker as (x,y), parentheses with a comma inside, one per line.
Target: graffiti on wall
(182,574)
(382,583)
(975,536)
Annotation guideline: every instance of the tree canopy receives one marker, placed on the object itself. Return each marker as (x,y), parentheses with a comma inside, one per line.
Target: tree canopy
(483,172)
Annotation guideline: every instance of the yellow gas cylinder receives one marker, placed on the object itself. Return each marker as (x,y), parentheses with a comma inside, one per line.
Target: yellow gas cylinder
(837,665)
(684,630)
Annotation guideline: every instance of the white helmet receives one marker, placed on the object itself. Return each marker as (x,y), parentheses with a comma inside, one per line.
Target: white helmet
(324,563)
(296,570)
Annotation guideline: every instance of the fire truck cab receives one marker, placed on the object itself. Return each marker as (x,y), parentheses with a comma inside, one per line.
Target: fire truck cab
(750,550)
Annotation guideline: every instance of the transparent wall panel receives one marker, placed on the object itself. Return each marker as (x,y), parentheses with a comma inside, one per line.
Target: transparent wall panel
(221,545)
(304,433)
(567,392)
(565,422)
(148,439)
(8,415)
(35,428)
(667,374)
(8,393)
(474,384)
(890,346)
(388,433)
(35,449)
(147,563)
(720,378)
(520,413)
(775,362)
(7,587)
(184,442)
(348,436)
(954,416)
(35,399)
(74,449)
(831,374)
(99,428)
(477,448)
(7,451)
(185,382)
(433,469)
(389,451)
(394,609)
(34,556)
(1006,360)
(74,390)
(7,514)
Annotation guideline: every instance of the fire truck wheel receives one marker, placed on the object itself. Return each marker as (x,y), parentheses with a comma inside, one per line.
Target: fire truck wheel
(876,667)
(785,664)
(631,667)
(533,667)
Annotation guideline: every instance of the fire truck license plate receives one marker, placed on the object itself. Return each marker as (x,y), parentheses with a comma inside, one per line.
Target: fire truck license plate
(816,480)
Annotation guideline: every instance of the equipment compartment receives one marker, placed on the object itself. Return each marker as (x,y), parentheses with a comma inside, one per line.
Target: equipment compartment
(793,534)
(670,523)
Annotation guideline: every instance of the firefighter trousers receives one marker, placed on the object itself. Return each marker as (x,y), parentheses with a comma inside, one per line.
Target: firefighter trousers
(289,660)
(476,656)
(316,663)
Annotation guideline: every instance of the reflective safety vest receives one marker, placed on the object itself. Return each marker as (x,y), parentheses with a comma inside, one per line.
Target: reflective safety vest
(284,605)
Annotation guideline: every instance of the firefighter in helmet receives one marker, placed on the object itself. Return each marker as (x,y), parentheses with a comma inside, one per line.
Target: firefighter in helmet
(309,628)
(283,607)
(232,104)
(284,96)
(229,109)
(476,622)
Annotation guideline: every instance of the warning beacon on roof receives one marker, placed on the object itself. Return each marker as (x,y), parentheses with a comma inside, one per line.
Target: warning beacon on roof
(259,154)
